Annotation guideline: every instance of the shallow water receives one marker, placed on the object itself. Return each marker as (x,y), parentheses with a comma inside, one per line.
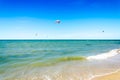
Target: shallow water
(55,59)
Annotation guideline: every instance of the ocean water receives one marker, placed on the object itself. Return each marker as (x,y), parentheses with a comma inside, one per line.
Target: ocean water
(56,59)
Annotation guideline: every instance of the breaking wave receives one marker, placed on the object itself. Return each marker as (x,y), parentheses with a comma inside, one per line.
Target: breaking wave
(58,60)
(105,55)
(101,56)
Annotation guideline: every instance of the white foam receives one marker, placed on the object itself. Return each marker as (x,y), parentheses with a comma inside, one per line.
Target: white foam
(104,55)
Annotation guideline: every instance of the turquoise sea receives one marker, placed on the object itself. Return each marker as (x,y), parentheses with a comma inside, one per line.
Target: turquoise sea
(55,59)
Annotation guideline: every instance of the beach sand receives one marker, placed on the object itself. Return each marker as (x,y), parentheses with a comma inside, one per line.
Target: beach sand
(113,76)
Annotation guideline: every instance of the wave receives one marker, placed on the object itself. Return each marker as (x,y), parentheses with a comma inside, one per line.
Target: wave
(105,55)
(101,56)
(58,60)
(53,61)
(70,58)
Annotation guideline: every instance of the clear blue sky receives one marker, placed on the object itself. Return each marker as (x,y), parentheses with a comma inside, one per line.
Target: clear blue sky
(80,19)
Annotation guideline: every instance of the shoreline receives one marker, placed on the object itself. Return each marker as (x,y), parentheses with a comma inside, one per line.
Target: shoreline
(107,76)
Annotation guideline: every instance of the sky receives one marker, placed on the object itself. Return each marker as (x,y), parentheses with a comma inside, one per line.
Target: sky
(80,19)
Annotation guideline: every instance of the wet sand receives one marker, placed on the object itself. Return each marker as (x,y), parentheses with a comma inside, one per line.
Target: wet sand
(112,76)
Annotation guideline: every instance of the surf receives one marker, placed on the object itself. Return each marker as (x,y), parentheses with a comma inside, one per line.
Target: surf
(100,56)
(106,55)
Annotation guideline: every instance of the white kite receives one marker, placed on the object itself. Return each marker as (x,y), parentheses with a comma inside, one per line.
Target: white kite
(58,21)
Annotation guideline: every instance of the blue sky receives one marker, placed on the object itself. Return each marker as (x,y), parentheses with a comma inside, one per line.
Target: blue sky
(80,19)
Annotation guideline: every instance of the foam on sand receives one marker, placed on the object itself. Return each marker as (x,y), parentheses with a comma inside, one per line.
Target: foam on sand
(104,55)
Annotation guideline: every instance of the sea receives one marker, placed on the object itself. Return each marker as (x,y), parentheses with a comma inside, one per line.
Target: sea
(58,59)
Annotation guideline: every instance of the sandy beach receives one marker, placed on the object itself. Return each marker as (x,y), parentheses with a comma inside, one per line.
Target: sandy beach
(112,76)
